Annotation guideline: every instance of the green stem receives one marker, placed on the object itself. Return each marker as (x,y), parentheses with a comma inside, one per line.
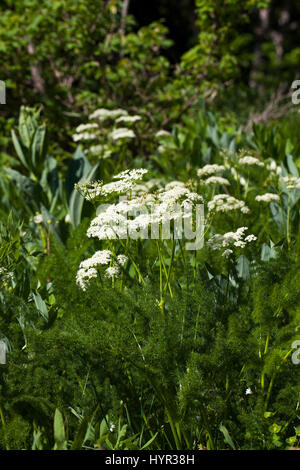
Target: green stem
(133,262)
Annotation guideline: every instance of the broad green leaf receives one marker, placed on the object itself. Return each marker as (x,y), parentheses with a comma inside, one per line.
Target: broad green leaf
(291,165)
(77,200)
(59,431)
(78,167)
(227,437)
(18,148)
(243,267)
(40,305)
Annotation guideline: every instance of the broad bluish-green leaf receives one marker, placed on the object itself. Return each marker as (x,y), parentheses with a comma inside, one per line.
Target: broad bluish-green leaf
(77,200)
(243,267)
(79,166)
(19,150)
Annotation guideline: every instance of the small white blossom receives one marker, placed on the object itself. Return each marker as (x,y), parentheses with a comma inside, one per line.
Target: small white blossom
(84,136)
(122,259)
(38,219)
(291,182)
(128,119)
(111,427)
(112,272)
(210,170)
(216,180)
(227,253)
(250,238)
(102,114)
(162,133)
(83,275)
(225,203)
(248,160)
(218,241)
(268,197)
(122,133)
(85,127)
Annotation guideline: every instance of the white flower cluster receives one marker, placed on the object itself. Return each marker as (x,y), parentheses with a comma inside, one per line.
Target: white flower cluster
(102,114)
(268,197)
(291,182)
(225,203)
(126,182)
(83,132)
(122,133)
(238,239)
(128,119)
(248,160)
(162,133)
(210,170)
(86,127)
(38,219)
(216,180)
(165,205)
(274,168)
(87,268)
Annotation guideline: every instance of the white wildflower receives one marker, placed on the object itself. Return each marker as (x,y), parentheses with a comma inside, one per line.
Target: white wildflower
(216,180)
(126,182)
(268,197)
(128,119)
(85,127)
(227,253)
(162,133)
(210,170)
(225,203)
(111,427)
(122,133)
(122,259)
(291,182)
(84,136)
(174,184)
(133,175)
(250,238)
(272,166)
(112,272)
(84,275)
(38,219)
(248,160)
(248,391)
(218,241)
(102,114)
(100,257)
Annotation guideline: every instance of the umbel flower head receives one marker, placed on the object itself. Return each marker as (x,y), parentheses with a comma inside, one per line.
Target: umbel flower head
(126,182)
(87,268)
(229,240)
(208,170)
(249,160)
(268,197)
(142,209)
(226,203)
